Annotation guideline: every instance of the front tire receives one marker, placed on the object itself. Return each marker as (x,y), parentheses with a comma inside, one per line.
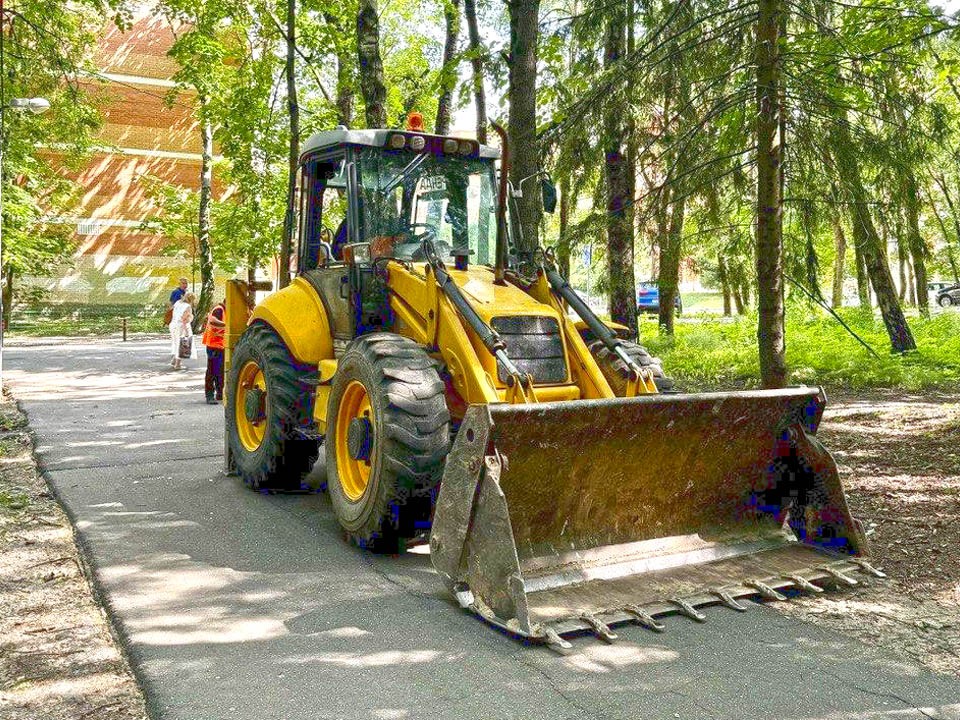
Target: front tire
(388,432)
(270,399)
(945,301)
(616,372)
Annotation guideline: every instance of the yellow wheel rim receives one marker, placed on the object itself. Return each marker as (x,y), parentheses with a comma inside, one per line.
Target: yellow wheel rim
(353,473)
(250,406)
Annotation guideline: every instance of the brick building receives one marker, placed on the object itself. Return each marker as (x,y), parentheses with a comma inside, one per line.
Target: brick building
(116,262)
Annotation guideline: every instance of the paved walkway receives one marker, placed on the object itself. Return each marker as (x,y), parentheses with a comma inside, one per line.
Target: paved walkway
(238,605)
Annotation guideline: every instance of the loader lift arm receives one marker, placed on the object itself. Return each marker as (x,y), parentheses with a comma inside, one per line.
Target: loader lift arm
(489,337)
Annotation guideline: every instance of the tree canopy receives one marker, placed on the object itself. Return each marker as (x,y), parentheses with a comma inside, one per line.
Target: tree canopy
(773,149)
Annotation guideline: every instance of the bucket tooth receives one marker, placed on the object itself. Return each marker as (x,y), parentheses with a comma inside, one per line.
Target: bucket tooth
(463,596)
(766,592)
(643,618)
(838,576)
(687,610)
(554,641)
(727,600)
(868,568)
(599,628)
(801,582)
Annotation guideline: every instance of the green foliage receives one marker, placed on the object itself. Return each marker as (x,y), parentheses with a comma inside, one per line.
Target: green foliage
(710,353)
(47,48)
(12,501)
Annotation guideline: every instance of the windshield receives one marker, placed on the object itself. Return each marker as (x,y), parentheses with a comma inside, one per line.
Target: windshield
(446,198)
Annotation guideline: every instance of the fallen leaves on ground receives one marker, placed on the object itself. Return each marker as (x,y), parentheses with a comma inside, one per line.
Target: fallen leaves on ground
(58,660)
(899,459)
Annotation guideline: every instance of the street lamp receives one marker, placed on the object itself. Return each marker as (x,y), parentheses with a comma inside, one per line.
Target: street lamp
(35,106)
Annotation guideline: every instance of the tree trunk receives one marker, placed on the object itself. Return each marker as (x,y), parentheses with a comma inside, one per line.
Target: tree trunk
(448,72)
(372,86)
(812,262)
(951,258)
(911,284)
(866,238)
(345,86)
(7,280)
(522,119)
(344,91)
(915,244)
(662,221)
(863,280)
(563,243)
(769,253)
(738,288)
(204,250)
(476,62)
(622,284)
(669,277)
(902,270)
(953,210)
(724,284)
(839,267)
(293,156)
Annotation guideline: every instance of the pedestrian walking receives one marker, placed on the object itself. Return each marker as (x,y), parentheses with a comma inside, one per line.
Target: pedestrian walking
(214,335)
(178,292)
(180,326)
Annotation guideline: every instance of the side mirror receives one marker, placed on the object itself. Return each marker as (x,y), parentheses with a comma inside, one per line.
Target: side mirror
(549,192)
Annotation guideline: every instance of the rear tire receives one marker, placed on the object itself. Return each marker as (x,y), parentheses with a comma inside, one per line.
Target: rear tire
(388,432)
(616,372)
(275,401)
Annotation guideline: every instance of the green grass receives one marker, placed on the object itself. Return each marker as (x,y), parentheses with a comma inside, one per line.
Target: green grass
(710,353)
(694,303)
(12,501)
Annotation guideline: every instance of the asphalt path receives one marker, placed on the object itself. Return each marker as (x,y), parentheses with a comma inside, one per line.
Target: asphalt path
(237,605)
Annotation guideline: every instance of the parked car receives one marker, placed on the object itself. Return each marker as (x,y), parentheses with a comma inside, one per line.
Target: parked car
(648,298)
(949,296)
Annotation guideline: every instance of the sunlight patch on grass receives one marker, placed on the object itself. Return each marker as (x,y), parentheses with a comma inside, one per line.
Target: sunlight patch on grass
(715,353)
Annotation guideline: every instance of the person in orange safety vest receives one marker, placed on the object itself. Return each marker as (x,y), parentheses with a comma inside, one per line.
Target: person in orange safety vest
(213,339)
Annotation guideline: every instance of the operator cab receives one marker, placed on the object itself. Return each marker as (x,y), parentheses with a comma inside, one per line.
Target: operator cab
(370,194)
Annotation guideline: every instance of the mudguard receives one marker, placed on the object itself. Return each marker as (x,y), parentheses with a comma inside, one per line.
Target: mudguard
(298,315)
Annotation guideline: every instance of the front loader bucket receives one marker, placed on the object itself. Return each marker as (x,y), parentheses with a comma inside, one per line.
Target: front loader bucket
(562,517)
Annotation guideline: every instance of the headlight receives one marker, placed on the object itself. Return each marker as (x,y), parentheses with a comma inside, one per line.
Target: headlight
(466,147)
(417,142)
(397,141)
(449,145)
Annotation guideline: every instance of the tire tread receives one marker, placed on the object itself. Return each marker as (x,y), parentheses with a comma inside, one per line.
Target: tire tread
(616,371)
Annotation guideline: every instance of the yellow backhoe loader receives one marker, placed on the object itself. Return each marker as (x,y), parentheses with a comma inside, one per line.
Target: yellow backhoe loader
(464,393)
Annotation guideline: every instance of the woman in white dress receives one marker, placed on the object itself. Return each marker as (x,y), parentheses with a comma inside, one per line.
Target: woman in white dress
(180,326)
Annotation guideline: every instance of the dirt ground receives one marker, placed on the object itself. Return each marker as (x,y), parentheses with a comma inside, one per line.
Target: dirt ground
(899,458)
(58,660)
